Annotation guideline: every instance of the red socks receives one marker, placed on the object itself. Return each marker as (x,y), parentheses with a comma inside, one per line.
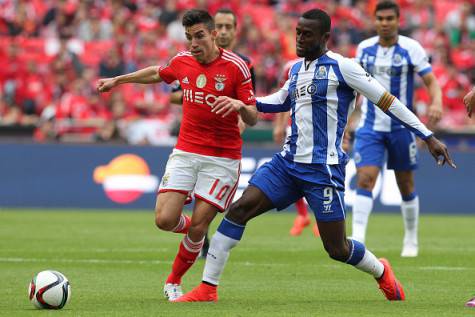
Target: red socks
(301,208)
(187,254)
(183,225)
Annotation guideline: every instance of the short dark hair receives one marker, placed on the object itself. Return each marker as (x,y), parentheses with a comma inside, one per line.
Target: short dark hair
(321,16)
(195,16)
(228,11)
(387,5)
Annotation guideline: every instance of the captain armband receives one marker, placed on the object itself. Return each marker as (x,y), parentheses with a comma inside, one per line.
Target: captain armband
(385,101)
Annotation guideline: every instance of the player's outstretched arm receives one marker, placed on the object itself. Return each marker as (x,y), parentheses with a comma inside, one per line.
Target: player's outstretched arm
(401,113)
(366,85)
(469,101)
(225,105)
(396,110)
(146,75)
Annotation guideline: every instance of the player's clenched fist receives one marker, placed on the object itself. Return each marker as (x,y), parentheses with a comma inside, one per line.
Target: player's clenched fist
(106,84)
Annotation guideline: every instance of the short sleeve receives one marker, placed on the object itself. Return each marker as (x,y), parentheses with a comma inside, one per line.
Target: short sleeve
(419,59)
(169,72)
(245,90)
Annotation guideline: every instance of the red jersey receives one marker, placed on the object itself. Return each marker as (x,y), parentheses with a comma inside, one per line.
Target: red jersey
(202,131)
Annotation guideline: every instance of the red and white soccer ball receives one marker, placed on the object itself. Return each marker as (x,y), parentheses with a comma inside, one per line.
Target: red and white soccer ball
(49,290)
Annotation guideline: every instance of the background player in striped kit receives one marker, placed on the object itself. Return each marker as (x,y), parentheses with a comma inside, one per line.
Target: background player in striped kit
(207,156)
(320,93)
(393,60)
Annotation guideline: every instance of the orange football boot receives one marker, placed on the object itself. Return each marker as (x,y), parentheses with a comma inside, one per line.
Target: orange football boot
(201,293)
(388,283)
(300,223)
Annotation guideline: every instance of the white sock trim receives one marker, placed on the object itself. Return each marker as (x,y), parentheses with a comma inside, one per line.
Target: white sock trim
(370,264)
(181,224)
(192,246)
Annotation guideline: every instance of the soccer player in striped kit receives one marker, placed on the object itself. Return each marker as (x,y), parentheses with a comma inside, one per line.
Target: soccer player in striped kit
(393,60)
(282,130)
(320,93)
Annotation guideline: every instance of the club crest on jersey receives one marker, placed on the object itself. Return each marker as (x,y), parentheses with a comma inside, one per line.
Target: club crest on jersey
(219,85)
(397,60)
(321,73)
(201,81)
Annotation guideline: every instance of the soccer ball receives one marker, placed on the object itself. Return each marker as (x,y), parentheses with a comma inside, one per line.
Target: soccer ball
(49,290)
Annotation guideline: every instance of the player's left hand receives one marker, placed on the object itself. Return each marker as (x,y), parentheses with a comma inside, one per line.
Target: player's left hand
(439,151)
(469,101)
(434,114)
(225,105)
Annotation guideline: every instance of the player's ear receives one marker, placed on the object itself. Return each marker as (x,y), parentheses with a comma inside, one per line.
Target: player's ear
(214,33)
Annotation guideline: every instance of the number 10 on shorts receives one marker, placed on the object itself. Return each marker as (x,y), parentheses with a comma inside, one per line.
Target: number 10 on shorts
(221,193)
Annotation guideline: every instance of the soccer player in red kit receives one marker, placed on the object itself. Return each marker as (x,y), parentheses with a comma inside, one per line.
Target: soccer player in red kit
(206,158)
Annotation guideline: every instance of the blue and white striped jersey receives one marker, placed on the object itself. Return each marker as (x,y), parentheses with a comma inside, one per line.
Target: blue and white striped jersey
(394,67)
(321,95)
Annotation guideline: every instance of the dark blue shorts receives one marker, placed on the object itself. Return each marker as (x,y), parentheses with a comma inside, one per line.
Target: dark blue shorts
(400,145)
(284,182)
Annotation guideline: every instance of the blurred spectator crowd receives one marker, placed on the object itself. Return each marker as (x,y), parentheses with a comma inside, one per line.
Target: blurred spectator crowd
(53,52)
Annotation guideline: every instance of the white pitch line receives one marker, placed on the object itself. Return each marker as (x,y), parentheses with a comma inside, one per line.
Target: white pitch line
(113,261)
(95,250)
(90,261)
(422,268)
(445,268)
(245,263)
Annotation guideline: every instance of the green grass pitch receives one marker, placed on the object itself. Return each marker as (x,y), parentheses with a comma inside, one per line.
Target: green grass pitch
(117,263)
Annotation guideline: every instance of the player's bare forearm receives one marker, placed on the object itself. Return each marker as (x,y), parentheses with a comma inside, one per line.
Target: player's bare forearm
(248,114)
(148,75)
(280,124)
(241,125)
(281,120)
(144,76)
(435,93)
(469,101)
